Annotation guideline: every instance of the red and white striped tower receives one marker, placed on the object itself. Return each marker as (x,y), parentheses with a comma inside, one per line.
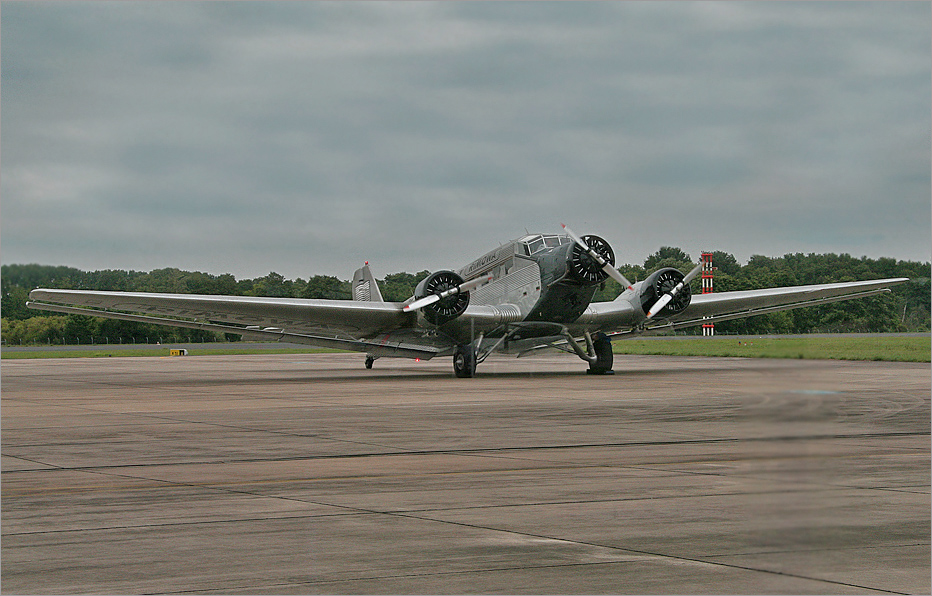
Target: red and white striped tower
(708,329)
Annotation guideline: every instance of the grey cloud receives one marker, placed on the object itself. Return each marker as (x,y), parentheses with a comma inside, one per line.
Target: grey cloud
(306,137)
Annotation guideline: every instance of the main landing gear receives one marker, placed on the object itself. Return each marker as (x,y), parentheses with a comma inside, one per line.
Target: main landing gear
(598,352)
(464,361)
(602,365)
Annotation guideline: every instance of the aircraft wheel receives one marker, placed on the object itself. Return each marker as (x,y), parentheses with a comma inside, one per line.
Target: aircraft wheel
(464,362)
(369,361)
(603,355)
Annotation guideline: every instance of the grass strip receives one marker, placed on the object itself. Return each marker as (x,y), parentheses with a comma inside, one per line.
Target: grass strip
(895,349)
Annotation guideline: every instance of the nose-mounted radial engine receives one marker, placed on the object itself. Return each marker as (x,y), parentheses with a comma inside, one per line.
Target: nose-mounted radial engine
(583,267)
(600,254)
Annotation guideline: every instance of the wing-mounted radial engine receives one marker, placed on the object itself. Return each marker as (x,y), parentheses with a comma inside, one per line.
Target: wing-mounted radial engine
(667,291)
(658,286)
(443,296)
(450,304)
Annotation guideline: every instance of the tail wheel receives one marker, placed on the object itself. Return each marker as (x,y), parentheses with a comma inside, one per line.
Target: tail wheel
(464,362)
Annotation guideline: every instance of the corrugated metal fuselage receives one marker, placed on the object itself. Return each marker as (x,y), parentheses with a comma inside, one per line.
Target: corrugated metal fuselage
(532,282)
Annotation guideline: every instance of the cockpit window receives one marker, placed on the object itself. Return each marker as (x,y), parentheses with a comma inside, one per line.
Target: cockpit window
(535,244)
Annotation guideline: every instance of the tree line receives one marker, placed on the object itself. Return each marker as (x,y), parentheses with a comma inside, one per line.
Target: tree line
(906,309)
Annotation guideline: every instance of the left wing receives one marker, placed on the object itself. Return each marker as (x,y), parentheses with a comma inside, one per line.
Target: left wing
(625,313)
(375,327)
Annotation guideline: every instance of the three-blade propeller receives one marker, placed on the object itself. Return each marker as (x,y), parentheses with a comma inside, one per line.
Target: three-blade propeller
(463,287)
(606,266)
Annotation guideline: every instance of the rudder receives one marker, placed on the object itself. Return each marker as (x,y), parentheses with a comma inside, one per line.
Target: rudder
(364,286)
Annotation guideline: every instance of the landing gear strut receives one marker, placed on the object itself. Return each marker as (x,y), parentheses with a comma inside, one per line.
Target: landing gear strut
(598,352)
(464,361)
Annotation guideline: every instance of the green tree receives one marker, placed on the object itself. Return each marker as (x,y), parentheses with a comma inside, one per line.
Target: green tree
(80,329)
(13,302)
(328,287)
(725,263)
(669,256)
(398,287)
(272,285)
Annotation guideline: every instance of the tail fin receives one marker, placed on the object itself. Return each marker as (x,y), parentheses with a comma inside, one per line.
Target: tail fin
(364,286)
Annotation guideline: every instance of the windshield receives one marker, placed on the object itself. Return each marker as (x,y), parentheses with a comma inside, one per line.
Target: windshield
(535,244)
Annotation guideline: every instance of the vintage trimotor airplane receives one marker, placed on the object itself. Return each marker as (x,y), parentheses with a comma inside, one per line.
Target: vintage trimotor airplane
(530,294)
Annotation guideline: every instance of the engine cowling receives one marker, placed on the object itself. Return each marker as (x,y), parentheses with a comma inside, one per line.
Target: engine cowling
(661,282)
(445,309)
(582,268)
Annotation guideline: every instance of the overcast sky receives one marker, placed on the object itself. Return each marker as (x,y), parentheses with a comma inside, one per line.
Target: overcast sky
(306,138)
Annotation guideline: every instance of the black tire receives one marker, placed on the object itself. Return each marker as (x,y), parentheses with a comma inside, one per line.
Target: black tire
(464,362)
(369,361)
(603,355)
